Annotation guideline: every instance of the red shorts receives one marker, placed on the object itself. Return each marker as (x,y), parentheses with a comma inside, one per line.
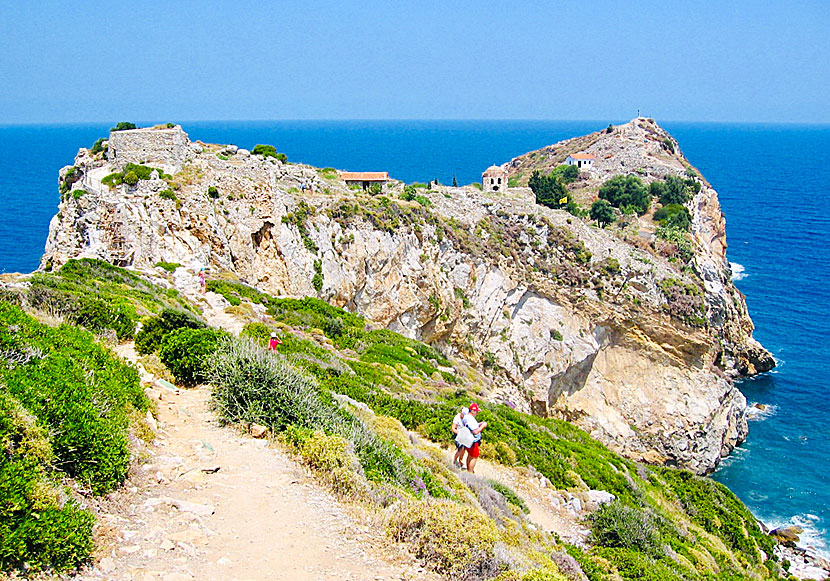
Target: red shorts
(473,451)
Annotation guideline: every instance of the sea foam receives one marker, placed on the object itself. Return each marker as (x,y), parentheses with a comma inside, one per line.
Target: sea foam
(738,271)
(758,414)
(813,536)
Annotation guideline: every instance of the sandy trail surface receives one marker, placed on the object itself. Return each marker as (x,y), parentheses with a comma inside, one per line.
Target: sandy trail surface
(206,502)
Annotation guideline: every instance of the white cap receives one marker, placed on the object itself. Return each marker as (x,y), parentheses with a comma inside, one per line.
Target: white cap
(273,334)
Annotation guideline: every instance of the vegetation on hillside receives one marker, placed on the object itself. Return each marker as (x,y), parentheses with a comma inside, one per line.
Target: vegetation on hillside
(549,190)
(664,523)
(626,193)
(342,396)
(65,407)
(98,296)
(268,151)
(131,174)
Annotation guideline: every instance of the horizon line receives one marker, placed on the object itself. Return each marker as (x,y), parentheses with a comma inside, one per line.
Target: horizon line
(410,119)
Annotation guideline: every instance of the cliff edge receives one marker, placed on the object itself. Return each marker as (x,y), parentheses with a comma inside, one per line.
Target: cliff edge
(601,326)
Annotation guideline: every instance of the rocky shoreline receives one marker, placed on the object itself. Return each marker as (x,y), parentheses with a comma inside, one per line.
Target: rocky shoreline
(805,562)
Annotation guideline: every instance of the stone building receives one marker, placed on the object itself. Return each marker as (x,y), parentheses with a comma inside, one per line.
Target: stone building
(580,160)
(494,179)
(163,146)
(364,179)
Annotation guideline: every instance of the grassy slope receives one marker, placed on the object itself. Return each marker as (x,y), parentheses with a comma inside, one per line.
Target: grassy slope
(66,406)
(694,528)
(700,529)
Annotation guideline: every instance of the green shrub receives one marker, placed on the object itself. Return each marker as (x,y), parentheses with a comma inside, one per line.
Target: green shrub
(80,392)
(409,193)
(98,146)
(234,292)
(168,194)
(328,173)
(680,239)
(130,178)
(549,190)
(509,495)
(123,126)
(187,352)
(135,172)
(616,525)
(113,179)
(153,331)
(259,332)
(621,191)
(36,531)
(674,190)
(566,173)
(674,216)
(631,564)
(36,528)
(317,279)
(99,314)
(101,295)
(168,266)
(715,508)
(251,384)
(602,212)
(264,150)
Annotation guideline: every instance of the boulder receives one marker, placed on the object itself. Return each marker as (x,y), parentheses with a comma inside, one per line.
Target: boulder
(257,431)
(787,536)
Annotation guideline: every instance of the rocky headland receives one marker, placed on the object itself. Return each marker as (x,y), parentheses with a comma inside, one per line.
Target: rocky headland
(602,327)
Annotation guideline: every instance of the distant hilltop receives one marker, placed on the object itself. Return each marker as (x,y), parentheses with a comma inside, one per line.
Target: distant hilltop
(592,286)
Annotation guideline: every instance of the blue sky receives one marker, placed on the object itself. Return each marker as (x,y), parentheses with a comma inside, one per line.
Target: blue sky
(695,61)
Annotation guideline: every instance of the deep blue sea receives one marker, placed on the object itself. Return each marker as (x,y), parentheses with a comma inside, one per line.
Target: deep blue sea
(774,186)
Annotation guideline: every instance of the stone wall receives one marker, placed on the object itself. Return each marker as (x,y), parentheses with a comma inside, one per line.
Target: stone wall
(157,147)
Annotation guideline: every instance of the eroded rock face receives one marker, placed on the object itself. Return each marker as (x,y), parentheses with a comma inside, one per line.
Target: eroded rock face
(567,319)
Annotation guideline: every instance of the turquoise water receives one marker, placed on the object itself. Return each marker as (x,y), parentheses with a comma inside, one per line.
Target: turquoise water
(774,186)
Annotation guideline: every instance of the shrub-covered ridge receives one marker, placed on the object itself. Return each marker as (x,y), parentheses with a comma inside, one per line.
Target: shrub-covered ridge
(65,407)
(664,524)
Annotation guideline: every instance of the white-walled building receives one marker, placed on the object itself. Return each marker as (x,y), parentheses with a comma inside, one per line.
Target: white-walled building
(580,160)
(494,179)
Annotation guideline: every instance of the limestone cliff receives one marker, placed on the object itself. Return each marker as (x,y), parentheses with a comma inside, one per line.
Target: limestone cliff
(566,318)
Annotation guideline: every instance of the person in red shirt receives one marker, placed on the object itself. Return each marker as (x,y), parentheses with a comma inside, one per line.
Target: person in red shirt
(476,428)
(273,342)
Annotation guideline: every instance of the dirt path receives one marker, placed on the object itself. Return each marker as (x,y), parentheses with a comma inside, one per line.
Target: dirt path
(548,509)
(204,502)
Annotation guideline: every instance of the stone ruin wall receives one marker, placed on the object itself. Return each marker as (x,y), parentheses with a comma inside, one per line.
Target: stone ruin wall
(158,147)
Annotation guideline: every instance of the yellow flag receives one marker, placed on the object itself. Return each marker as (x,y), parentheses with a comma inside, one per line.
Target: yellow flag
(563,200)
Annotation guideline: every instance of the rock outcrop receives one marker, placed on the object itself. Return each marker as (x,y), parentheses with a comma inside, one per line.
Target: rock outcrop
(566,318)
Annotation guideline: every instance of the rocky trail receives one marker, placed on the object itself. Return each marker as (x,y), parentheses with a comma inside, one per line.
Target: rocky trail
(206,502)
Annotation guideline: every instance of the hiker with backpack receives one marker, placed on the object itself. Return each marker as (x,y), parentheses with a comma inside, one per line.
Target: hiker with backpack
(457,423)
(475,428)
